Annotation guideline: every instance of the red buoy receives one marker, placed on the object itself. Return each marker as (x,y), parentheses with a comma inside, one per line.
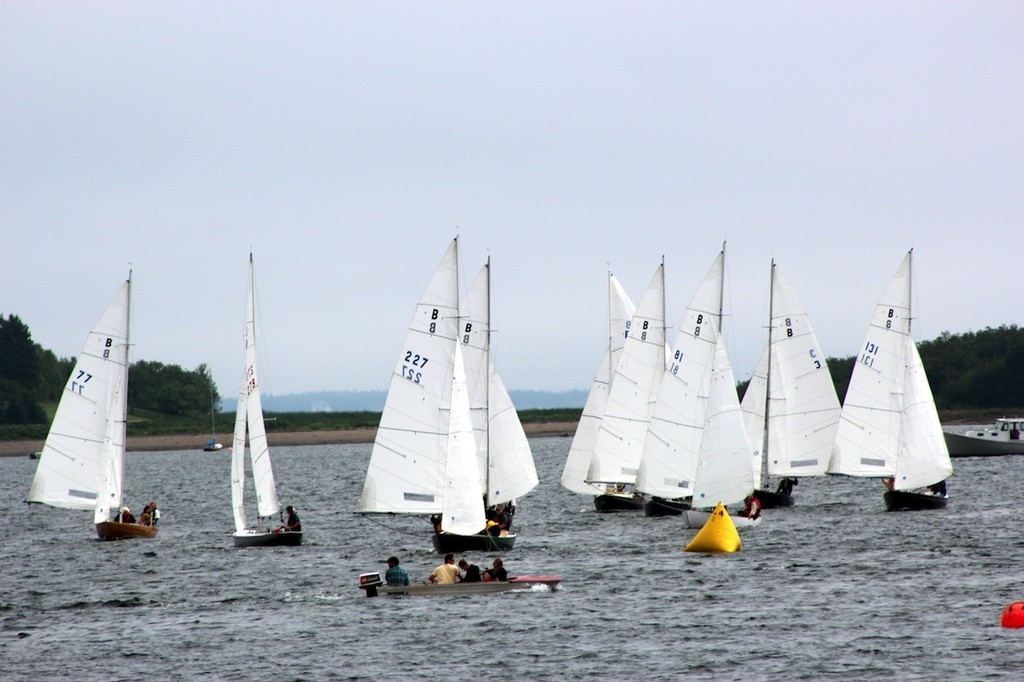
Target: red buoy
(1013,615)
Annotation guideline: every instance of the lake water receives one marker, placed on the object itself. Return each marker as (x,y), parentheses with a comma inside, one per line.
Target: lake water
(834,588)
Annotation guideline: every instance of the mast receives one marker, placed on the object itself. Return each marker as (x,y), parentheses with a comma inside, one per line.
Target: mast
(910,292)
(664,319)
(721,292)
(768,379)
(487,392)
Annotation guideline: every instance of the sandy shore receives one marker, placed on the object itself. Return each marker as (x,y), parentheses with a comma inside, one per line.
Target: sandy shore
(16,448)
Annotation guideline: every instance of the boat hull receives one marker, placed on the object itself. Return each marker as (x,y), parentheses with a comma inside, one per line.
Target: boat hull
(659,506)
(113,530)
(267,538)
(902,500)
(697,518)
(770,500)
(960,445)
(523,582)
(617,502)
(455,543)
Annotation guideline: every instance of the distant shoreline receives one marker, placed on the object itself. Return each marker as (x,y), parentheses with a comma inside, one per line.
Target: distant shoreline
(22,448)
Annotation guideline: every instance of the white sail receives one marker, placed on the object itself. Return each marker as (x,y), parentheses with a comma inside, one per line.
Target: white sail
(249,416)
(82,461)
(633,392)
(803,409)
(407,464)
(923,457)
(581,452)
(462,509)
(506,462)
(868,435)
(669,462)
(723,471)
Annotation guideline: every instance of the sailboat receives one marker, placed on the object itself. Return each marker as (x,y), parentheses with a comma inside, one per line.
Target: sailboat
(631,398)
(82,462)
(213,445)
(581,451)
(504,457)
(671,449)
(449,443)
(790,408)
(249,417)
(889,426)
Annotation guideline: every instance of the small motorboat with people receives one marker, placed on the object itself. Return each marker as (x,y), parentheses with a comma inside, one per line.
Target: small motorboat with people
(374,585)
(1002,438)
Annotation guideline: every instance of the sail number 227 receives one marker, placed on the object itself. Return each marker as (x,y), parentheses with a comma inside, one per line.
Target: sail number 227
(412,364)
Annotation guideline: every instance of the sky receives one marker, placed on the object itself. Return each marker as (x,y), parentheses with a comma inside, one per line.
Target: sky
(346,143)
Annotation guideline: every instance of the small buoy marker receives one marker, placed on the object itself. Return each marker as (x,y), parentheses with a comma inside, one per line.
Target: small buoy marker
(1013,615)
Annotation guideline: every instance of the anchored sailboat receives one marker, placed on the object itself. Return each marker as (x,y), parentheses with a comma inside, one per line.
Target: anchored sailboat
(82,461)
(249,416)
(889,427)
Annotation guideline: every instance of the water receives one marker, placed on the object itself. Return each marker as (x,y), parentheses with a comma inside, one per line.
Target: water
(834,588)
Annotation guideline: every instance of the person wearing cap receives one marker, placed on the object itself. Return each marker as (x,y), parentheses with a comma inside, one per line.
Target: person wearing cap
(125,516)
(447,573)
(395,575)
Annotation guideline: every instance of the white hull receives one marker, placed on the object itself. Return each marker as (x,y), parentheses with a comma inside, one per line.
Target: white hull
(526,582)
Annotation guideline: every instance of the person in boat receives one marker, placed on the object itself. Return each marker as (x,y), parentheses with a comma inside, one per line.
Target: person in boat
(496,572)
(938,489)
(150,515)
(502,521)
(292,524)
(125,516)
(889,482)
(436,521)
(447,573)
(753,508)
(786,486)
(472,572)
(395,575)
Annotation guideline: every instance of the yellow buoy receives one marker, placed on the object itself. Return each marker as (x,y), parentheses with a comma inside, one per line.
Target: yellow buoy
(718,534)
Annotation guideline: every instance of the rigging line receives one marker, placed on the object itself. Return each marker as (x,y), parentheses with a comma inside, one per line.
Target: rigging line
(373,520)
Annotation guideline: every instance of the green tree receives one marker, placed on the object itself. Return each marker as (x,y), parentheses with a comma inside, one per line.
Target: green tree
(19,374)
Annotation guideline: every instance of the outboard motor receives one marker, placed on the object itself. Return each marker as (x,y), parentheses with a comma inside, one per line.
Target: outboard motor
(370,582)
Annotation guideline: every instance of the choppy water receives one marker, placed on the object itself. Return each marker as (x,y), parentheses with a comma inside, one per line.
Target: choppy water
(834,588)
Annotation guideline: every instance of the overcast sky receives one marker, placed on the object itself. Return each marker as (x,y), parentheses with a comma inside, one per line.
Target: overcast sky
(345,144)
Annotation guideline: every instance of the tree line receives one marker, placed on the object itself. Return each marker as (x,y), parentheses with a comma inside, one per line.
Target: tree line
(32,376)
(981,370)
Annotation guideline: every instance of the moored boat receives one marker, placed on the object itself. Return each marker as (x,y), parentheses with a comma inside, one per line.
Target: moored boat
(1002,438)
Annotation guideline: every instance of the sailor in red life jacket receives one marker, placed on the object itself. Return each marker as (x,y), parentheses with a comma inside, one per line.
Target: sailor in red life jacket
(753,509)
